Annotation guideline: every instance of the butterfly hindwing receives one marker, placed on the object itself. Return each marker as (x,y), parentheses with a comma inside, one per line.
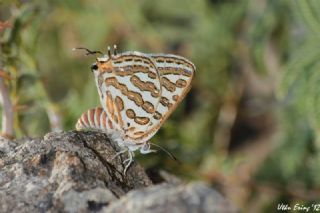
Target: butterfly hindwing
(95,118)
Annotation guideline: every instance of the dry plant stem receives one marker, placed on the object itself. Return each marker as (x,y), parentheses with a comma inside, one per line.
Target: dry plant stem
(7,109)
(54,119)
(7,113)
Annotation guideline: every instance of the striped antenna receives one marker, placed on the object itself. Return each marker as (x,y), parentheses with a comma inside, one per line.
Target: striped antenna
(88,52)
(166,151)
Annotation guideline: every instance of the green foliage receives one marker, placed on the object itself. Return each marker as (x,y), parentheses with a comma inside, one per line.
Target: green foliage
(251,120)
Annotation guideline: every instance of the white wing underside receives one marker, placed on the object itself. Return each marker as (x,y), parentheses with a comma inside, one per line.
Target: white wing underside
(149,85)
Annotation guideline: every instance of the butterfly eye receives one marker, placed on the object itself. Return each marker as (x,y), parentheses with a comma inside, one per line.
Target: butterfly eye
(94,67)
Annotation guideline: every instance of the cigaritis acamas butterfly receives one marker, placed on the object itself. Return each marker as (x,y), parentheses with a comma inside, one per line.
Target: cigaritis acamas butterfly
(138,92)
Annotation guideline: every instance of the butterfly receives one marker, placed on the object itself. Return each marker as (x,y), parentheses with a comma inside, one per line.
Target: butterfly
(138,92)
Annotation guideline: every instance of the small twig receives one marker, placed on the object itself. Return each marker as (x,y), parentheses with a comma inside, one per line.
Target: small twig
(54,119)
(7,113)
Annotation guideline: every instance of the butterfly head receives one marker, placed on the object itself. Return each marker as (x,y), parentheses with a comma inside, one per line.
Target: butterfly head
(104,63)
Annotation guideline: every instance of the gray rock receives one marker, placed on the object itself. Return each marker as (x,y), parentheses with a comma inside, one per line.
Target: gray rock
(64,172)
(193,197)
(73,172)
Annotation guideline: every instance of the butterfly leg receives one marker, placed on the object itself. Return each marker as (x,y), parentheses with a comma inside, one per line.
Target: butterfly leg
(119,153)
(129,160)
(126,160)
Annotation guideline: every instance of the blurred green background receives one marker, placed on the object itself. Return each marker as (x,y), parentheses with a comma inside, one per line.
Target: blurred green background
(250,124)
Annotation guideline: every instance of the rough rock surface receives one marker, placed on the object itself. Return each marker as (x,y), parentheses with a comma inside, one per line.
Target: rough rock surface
(73,172)
(195,197)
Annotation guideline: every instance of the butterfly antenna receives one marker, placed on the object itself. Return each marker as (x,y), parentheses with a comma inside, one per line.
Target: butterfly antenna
(109,52)
(88,52)
(166,151)
(115,49)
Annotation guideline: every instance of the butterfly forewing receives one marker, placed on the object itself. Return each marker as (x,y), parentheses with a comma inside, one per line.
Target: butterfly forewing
(130,91)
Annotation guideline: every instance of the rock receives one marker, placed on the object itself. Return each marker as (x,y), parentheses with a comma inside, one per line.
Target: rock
(67,171)
(73,172)
(193,197)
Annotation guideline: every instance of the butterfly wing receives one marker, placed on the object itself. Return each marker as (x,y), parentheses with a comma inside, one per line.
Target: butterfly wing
(176,74)
(130,90)
(95,118)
